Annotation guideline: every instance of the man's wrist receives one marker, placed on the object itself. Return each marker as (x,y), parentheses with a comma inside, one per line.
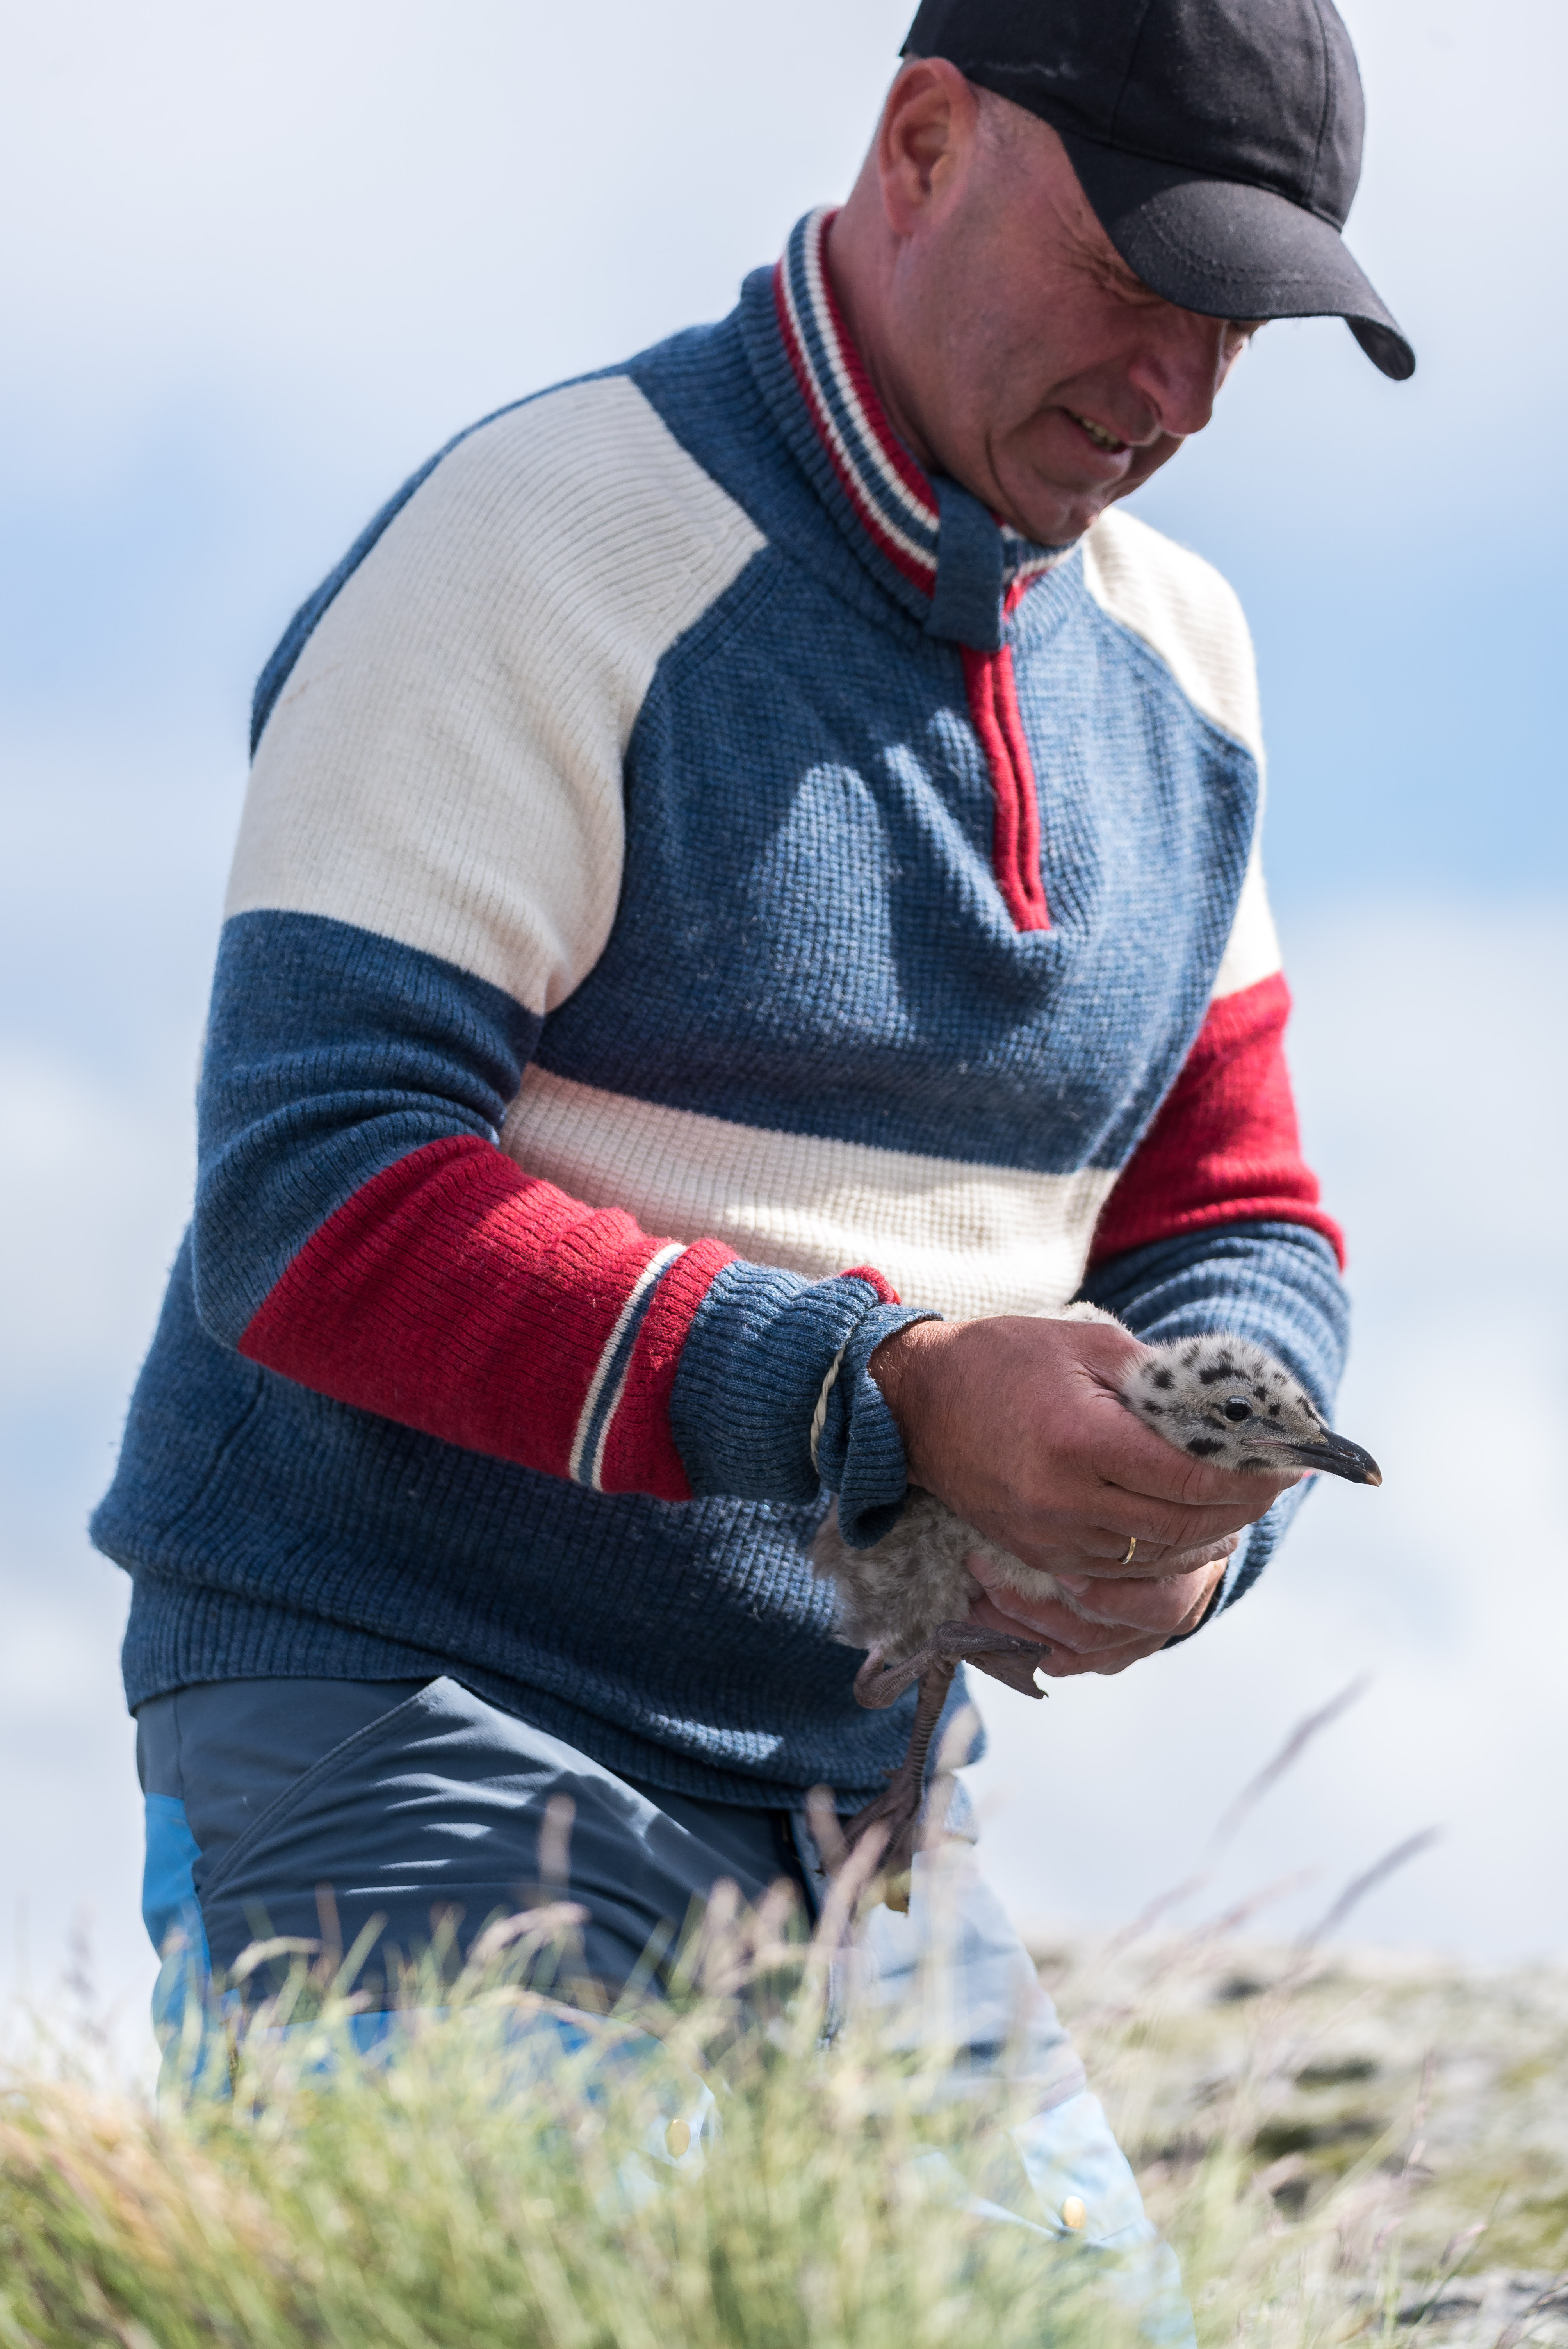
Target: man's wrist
(897,1367)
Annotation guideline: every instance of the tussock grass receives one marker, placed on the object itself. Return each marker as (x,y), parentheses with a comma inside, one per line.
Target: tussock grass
(513,2170)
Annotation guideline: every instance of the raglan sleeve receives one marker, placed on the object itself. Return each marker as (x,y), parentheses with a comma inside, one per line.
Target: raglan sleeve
(429,859)
(1216,1221)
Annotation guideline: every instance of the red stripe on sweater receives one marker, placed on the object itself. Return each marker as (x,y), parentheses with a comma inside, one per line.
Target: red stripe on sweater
(1225,1147)
(1016,827)
(458,1295)
(894,451)
(918,575)
(650,1382)
(886,1293)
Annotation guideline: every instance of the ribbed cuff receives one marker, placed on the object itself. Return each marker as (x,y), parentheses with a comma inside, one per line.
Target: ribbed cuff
(859,1454)
(1258,1544)
(761,1350)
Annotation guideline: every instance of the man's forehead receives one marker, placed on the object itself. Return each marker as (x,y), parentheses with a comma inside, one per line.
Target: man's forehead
(1217,141)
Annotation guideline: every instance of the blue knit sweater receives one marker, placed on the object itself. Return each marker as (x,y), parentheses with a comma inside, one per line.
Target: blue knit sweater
(707,894)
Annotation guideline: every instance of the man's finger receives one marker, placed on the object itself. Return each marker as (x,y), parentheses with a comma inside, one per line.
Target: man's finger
(1135,1463)
(1101,1532)
(1180,1529)
(1197,1611)
(1106,1616)
(1149,1562)
(1064,1664)
(1099,1597)
(1072,1633)
(1142,1605)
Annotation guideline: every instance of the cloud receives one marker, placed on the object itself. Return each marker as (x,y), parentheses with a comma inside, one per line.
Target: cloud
(1418,1045)
(94,1185)
(262,262)
(388,218)
(1424,1069)
(392,212)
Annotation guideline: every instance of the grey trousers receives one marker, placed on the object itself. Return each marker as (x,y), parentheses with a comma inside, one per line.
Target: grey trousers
(288,1806)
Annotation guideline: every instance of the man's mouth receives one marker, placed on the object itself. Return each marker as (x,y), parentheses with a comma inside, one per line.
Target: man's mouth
(1098,433)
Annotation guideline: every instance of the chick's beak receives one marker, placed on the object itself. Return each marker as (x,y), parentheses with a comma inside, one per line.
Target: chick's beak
(1336,1456)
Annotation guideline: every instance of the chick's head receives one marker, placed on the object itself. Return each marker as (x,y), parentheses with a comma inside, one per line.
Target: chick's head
(1225,1401)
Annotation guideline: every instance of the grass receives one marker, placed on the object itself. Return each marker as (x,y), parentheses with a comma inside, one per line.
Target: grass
(1319,2139)
(522,2173)
(1336,2141)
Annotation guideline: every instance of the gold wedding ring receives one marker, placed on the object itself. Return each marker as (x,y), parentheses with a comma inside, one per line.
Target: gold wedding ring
(1132,1548)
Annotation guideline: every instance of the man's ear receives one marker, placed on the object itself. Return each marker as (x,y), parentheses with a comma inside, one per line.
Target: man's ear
(929,125)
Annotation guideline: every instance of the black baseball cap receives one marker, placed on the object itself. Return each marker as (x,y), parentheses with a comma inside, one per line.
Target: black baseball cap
(1219,141)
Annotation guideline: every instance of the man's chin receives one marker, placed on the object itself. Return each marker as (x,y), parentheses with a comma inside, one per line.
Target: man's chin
(1064,521)
(1056,513)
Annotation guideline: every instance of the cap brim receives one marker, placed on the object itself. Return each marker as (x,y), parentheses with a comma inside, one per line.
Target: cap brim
(1231,251)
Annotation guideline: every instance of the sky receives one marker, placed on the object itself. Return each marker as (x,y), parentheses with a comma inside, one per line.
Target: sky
(260,265)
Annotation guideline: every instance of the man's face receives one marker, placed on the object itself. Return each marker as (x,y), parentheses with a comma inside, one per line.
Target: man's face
(1014,348)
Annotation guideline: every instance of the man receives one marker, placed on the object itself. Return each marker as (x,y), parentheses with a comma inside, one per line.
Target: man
(750,852)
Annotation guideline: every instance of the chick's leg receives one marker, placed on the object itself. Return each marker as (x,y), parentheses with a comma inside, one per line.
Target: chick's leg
(878,1685)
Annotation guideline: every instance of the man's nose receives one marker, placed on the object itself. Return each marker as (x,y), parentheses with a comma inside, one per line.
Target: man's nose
(1179,369)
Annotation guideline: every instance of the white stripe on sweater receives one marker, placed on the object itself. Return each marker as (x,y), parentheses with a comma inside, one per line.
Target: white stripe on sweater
(631,1311)
(1192,620)
(871,439)
(965,1239)
(444,764)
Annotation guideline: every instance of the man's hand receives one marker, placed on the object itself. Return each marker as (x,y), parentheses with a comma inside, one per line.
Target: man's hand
(1111,1621)
(1018,1425)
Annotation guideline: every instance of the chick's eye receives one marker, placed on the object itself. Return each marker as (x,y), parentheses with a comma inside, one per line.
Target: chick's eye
(1236,1410)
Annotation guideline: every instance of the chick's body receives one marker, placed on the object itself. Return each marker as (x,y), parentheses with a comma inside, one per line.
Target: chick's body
(892,1597)
(1219,1399)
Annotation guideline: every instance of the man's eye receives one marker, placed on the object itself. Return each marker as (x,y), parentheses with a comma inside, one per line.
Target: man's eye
(1236,1410)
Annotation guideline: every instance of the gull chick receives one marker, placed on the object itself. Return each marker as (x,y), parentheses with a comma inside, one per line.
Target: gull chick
(1219,1399)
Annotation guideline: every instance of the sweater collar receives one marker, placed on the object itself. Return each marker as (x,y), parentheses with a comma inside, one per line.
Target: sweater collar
(956,568)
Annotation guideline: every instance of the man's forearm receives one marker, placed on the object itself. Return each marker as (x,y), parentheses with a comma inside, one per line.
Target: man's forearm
(358,1231)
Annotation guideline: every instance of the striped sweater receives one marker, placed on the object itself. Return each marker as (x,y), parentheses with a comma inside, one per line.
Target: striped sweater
(707,894)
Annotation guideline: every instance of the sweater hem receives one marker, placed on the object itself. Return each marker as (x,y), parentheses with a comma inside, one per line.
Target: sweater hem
(261,1643)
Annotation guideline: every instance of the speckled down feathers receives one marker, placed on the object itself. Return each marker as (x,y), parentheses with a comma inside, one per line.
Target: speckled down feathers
(898,1592)
(894,1594)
